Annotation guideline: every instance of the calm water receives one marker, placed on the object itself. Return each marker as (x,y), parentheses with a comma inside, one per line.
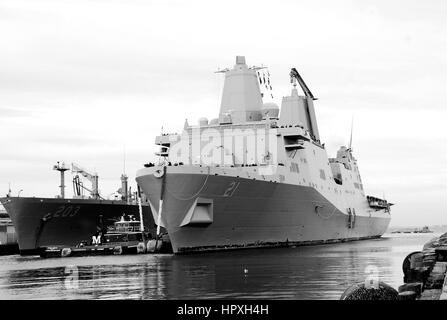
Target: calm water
(317,272)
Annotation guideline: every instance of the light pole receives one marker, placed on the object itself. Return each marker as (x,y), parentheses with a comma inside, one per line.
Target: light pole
(18,195)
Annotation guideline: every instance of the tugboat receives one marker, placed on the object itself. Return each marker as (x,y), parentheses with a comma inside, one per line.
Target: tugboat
(126,236)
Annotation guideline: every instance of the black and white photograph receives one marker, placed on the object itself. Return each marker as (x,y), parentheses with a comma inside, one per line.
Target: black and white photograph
(239,151)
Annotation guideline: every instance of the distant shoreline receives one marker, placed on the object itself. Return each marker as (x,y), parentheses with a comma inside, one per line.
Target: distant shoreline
(418,229)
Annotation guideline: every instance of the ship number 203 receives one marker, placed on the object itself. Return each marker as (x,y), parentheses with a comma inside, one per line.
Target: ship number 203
(63,212)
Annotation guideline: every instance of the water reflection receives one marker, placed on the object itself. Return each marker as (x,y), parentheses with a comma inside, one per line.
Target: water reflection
(317,272)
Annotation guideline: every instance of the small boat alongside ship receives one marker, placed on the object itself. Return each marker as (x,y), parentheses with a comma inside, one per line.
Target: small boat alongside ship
(48,222)
(126,236)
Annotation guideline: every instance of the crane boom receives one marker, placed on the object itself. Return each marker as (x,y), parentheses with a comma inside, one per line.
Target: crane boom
(92,177)
(295,76)
(308,104)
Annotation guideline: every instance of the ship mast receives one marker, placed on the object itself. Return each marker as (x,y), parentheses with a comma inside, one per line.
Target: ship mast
(350,139)
(61,168)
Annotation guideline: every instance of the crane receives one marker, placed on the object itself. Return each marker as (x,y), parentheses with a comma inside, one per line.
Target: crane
(92,177)
(309,104)
(295,76)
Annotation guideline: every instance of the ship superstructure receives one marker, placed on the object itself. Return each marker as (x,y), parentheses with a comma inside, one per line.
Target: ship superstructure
(256,176)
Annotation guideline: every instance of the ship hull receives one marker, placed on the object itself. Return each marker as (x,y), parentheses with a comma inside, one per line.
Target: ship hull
(44,222)
(213,212)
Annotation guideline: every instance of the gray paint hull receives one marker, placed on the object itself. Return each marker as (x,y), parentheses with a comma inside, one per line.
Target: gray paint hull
(254,214)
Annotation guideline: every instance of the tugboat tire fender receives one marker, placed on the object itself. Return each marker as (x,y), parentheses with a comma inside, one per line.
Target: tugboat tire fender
(65,252)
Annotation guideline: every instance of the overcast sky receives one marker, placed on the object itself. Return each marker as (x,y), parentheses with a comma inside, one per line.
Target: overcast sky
(83,80)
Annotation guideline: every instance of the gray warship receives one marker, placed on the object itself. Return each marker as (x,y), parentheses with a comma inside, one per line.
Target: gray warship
(258,176)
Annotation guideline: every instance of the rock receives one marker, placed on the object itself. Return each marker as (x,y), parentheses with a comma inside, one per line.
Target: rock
(416,260)
(407,295)
(434,282)
(431,244)
(439,267)
(444,290)
(417,275)
(407,264)
(436,242)
(414,287)
(429,259)
(441,253)
(432,294)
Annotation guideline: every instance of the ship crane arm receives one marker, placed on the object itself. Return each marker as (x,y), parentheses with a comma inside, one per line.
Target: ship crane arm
(77,169)
(93,178)
(295,76)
